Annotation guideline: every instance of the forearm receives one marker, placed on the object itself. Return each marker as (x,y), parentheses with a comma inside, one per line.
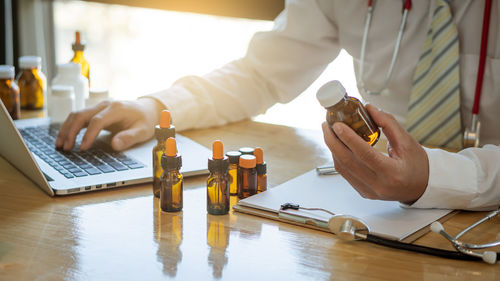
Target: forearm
(467,180)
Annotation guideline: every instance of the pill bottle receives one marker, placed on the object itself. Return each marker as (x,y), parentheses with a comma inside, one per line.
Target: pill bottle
(218,181)
(96,96)
(32,83)
(234,159)
(349,110)
(78,57)
(9,92)
(171,198)
(247,176)
(69,74)
(61,102)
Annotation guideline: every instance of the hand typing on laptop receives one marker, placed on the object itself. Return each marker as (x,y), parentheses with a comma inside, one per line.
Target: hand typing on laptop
(130,122)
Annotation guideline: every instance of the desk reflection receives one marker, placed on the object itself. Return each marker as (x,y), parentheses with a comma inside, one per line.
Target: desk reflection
(168,237)
(218,241)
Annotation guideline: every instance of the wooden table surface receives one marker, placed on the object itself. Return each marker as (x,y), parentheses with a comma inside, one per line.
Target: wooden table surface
(121,234)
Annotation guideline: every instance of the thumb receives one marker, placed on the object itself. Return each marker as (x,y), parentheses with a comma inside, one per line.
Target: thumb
(394,132)
(129,137)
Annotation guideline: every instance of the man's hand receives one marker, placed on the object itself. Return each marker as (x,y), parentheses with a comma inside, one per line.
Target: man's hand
(402,176)
(131,122)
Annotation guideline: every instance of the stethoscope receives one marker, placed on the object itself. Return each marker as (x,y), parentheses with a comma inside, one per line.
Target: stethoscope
(471,136)
(351,228)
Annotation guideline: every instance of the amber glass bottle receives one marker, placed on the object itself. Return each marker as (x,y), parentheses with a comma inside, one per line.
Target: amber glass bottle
(9,92)
(78,57)
(171,179)
(349,110)
(247,176)
(261,170)
(163,131)
(32,83)
(218,181)
(234,159)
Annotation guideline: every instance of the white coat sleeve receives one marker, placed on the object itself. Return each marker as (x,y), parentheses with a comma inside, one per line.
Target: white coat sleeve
(277,67)
(468,180)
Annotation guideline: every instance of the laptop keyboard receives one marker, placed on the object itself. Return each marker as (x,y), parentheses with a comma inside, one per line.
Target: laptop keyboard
(97,160)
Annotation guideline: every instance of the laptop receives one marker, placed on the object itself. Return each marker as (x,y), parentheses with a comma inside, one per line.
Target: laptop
(29,145)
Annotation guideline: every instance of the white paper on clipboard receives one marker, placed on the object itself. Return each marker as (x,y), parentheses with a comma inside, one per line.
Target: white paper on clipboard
(385,218)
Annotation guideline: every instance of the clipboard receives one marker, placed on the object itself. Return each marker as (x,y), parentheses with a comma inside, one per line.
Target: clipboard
(331,192)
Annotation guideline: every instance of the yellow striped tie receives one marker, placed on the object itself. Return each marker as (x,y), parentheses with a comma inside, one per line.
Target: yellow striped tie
(434,108)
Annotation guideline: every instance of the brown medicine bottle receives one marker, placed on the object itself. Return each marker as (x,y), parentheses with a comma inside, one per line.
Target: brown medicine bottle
(234,159)
(247,176)
(218,181)
(32,83)
(9,92)
(261,170)
(349,110)
(171,179)
(163,131)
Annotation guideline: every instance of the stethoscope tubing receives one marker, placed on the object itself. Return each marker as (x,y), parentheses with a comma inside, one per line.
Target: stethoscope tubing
(422,249)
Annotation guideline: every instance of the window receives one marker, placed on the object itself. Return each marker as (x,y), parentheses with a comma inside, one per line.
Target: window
(136,51)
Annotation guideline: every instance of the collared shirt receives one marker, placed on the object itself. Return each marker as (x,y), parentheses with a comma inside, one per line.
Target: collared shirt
(308,35)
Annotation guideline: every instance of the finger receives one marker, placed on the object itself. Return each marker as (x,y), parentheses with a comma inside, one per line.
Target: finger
(101,120)
(359,185)
(128,138)
(75,122)
(347,158)
(360,148)
(394,132)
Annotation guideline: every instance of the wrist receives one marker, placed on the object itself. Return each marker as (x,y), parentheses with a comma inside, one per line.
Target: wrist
(152,108)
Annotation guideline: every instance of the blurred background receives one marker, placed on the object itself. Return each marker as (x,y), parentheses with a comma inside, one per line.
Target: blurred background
(139,47)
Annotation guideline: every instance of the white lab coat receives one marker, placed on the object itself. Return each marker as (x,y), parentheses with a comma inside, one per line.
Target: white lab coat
(308,35)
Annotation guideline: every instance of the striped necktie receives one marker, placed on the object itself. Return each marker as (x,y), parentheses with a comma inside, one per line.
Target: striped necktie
(434,108)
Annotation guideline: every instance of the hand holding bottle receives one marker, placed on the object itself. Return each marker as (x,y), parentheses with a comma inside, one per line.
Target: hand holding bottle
(400,176)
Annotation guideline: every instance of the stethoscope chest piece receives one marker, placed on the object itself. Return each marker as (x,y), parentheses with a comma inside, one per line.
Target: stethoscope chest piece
(348,227)
(471,137)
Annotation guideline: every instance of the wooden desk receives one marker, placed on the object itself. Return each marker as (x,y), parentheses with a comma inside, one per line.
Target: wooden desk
(122,234)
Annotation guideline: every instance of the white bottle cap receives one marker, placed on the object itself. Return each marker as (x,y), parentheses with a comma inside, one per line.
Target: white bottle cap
(69,68)
(96,93)
(6,72)
(62,90)
(30,62)
(330,93)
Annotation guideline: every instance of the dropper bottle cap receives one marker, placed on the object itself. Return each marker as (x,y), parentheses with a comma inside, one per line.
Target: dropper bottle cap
(165,129)
(171,160)
(234,157)
(247,161)
(79,44)
(247,150)
(218,162)
(261,165)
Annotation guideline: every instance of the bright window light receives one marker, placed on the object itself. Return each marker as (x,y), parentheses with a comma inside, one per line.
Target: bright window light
(137,51)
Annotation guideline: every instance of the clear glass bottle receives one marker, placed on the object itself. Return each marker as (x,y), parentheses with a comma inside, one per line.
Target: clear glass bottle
(9,92)
(349,110)
(247,176)
(163,131)
(261,170)
(171,179)
(218,181)
(32,83)
(78,47)
(234,159)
